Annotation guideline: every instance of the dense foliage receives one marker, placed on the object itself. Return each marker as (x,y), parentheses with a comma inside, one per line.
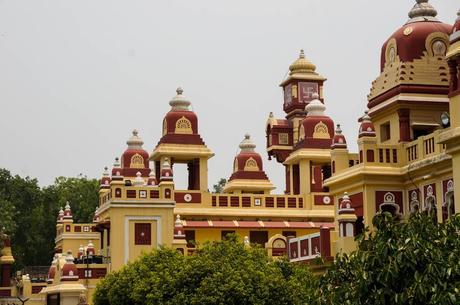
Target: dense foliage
(414,262)
(224,272)
(28,213)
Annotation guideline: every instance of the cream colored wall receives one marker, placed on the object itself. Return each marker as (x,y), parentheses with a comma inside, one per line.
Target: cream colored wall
(393,119)
(118,218)
(214,234)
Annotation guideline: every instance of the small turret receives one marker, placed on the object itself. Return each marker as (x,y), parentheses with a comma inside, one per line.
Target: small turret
(166,171)
(366,129)
(346,217)
(69,270)
(105,180)
(152,178)
(339,139)
(67,213)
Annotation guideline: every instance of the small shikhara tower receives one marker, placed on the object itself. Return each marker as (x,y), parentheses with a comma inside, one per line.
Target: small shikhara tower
(248,174)
(181,143)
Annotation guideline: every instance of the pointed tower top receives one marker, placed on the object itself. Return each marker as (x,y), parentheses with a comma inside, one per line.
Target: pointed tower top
(302,65)
(135,142)
(179,102)
(315,107)
(422,11)
(247,145)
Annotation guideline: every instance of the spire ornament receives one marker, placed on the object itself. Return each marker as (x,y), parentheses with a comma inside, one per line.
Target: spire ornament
(247,145)
(422,11)
(179,102)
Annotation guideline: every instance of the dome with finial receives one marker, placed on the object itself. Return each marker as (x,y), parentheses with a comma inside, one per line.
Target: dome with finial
(339,139)
(105,180)
(69,269)
(366,128)
(316,129)
(179,232)
(179,102)
(180,125)
(90,250)
(60,217)
(166,171)
(302,65)
(346,205)
(247,165)
(67,212)
(412,40)
(138,181)
(152,178)
(135,159)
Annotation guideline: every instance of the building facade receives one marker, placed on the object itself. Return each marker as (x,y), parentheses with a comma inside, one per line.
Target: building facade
(408,160)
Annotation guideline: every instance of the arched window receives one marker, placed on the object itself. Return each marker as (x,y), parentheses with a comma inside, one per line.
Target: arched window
(321,131)
(450,202)
(430,207)
(183,126)
(251,165)
(137,161)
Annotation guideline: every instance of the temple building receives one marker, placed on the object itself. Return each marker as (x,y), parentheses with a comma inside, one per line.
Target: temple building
(408,160)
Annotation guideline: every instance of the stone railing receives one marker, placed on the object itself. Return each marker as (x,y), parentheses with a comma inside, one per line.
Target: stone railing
(424,147)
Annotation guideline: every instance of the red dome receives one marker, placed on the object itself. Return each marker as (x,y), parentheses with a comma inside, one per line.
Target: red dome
(135,158)
(317,129)
(366,129)
(411,39)
(69,270)
(339,140)
(180,125)
(248,163)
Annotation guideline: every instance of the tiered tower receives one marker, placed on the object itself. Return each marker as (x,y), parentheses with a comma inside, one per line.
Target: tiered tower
(182,143)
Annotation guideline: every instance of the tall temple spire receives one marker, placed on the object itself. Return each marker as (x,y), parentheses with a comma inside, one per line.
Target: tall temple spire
(422,11)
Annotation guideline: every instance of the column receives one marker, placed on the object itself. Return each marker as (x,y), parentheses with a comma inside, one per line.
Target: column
(404,125)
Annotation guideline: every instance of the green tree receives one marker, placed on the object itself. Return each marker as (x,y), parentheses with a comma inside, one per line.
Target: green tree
(81,193)
(224,272)
(219,186)
(29,212)
(417,262)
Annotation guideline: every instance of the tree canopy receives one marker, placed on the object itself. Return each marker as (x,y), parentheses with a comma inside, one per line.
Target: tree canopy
(224,272)
(28,212)
(219,186)
(413,262)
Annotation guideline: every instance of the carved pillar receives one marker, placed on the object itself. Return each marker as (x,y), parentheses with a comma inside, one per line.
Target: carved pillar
(404,125)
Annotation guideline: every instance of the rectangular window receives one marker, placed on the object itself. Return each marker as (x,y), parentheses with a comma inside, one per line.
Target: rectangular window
(289,233)
(223,234)
(283,139)
(385,133)
(190,238)
(258,237)
(143,233)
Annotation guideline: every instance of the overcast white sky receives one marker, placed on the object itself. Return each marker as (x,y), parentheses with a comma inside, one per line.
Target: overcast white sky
(77,76)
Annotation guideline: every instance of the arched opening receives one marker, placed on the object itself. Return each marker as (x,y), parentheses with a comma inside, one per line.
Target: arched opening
(450,202)
(414,206)
(430,207)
